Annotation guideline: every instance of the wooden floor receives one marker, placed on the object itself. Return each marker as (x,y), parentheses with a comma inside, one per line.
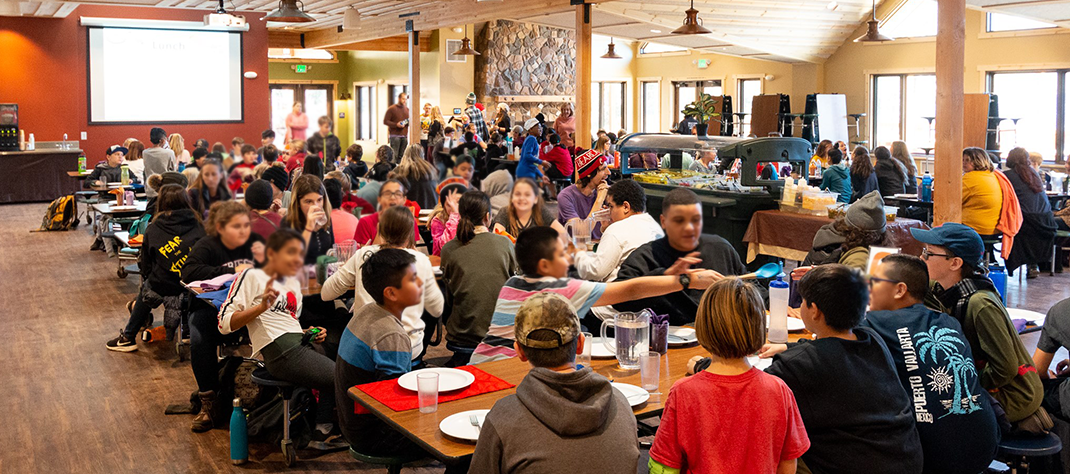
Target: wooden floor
(72,406)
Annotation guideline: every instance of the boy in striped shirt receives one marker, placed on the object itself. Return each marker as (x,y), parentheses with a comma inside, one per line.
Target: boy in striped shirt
(544,264)
(376,347)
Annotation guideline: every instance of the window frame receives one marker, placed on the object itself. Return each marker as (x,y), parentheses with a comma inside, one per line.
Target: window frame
(1039,30)
(744,123)
(597,119)
(699,85)
(643,105)
(903,103)
(1062,75)
(357,121)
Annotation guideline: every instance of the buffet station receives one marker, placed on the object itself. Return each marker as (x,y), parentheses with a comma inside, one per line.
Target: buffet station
(743,179)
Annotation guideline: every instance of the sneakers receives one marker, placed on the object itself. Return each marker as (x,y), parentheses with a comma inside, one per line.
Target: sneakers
(330,441)
(121,344)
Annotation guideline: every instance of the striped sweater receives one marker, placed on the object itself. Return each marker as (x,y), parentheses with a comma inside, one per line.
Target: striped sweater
(498,343)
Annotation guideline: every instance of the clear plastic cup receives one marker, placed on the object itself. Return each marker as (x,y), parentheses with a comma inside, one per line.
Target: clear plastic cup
(650,370)
(584,359)
(427,391)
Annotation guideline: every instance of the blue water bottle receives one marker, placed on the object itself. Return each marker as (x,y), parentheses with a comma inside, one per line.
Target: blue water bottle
(239,435)
(999,278)
(926,188)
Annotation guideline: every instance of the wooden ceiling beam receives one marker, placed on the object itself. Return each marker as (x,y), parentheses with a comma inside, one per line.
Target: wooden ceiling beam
(436,15)
(65,10)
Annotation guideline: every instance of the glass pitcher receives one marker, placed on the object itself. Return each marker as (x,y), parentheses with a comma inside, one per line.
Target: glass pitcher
(631,337)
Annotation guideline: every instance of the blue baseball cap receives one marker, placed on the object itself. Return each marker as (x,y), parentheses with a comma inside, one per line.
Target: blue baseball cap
(960,239)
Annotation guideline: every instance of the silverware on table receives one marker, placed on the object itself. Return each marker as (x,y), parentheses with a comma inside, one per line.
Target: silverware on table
(474,419)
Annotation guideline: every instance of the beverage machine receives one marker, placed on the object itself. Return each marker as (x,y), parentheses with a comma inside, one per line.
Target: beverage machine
(9,127)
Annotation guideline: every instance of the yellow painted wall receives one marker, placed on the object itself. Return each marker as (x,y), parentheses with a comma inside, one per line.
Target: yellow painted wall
(849,69)
(670,67)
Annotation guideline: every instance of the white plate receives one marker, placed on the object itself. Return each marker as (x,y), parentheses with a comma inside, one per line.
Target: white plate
(761,364)
(681,336)
(599,350)
(448,379)
(636,395)
(794,324)
(459,425)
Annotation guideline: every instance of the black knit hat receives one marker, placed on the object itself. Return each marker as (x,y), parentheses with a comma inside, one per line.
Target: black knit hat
(277,176)
(258,195)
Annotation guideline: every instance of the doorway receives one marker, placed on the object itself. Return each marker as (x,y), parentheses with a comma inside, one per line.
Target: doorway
(317,100)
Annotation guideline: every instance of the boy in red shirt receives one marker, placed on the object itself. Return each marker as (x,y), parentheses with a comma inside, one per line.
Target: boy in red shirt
(730,417)
(240,171)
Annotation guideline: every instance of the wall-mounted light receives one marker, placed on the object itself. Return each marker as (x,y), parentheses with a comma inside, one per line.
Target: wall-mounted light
(250,74)
(345,96)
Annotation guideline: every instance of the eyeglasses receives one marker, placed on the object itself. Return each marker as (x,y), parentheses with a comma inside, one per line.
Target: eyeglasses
(396,194)
(925,254)
(874,279)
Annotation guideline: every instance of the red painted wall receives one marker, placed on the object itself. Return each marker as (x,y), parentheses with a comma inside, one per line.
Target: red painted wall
(43,69)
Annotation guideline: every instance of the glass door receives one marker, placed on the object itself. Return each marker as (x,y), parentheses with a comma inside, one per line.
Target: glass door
(316,100)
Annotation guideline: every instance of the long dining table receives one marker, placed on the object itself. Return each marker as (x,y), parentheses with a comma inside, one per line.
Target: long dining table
(423,428)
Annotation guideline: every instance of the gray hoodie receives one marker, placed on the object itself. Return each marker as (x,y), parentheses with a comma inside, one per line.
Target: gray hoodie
(556,423)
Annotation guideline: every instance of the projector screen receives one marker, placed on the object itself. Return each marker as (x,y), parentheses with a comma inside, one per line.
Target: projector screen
(164,76)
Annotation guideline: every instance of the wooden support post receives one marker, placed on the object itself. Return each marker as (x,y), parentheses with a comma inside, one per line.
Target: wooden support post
(583,76)
(414,89)
(950,57)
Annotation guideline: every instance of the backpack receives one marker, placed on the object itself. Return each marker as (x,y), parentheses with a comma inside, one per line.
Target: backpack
(235,381)
(62,215)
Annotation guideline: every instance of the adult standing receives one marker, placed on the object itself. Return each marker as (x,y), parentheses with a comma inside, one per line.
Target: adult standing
(891,174)
(565,126)
(475,117)
(296,124)
(1033,242)
(396,120)
(426,119)
(586,196)
(158,159)
(325,142)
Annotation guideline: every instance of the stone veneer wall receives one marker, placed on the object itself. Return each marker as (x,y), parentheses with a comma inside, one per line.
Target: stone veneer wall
(524,59)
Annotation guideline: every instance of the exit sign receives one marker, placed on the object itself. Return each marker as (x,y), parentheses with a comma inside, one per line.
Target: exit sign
(702,63)
(301,68)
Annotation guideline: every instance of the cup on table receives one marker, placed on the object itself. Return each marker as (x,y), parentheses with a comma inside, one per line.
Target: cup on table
(584,359)
(427,391)
(650,370)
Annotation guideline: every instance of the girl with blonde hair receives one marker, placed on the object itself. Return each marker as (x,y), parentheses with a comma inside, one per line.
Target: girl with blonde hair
(421,175)
(178,145)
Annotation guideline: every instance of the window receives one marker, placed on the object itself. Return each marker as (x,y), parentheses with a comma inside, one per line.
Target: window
(366,116)
(315,100)
(607,102)
(1034,98)
(652,48)
(901,105)
(688,91)
(914,19)
(1002,22)
(748,88)
(393,90)
(650,101)
(287,53)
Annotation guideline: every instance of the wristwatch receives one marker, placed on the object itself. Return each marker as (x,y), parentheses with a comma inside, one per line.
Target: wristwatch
(685,280)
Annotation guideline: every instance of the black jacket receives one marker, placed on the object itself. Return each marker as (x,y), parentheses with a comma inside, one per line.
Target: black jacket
(210,258)
(330,146)
(653,258)
(168,243)
(891,177)
(108,174)
(355,171)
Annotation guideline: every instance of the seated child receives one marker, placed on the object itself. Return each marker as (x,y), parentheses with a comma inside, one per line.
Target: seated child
(954,419)
(560,418)
(730,404)
(857,415)
(268,301)
(544,265)
(375,347)
(242,172)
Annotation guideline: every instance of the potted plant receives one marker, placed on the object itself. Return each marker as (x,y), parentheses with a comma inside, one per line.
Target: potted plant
(704,109)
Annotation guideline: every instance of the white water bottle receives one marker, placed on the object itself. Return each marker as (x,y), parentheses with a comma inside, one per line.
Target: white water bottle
(778,310)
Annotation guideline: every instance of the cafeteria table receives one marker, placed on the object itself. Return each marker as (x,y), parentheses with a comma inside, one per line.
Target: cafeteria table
(422,428)
(790,235)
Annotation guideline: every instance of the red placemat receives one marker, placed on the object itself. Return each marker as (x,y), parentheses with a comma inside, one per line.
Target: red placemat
(389,393)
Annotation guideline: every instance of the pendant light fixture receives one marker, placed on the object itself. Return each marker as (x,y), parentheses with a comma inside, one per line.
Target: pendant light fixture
(466,46)
(611,53)
(351,19)
(873,33)
(289,12)
(692,25)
